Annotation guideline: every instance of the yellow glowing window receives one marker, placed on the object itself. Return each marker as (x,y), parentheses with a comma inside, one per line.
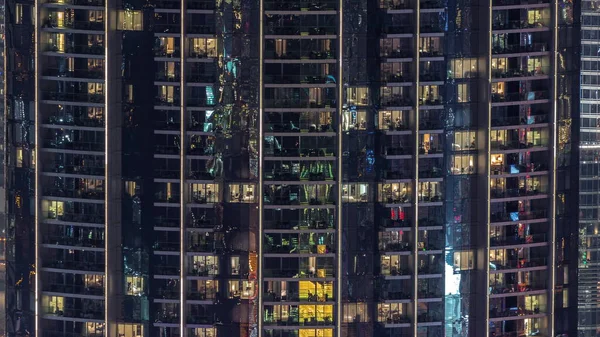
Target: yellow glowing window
(134,285)
(19,157)
(316,333)
(130,20)
(56,208)
(130,330)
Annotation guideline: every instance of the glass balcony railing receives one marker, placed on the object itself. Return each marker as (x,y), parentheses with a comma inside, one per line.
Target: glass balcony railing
(303,5)
(518,24)
(516,192)
(80,25)
(99,3)
(516,120)
(299,224)
(73,97)
(518,240)
(518,216)
(517,263)
(97,314)
(301,30)
(516,97)
(515,48)
(94,49)
(503,145)
(77,73)
(76,242)
(520,72)
(397,151)
(74,265)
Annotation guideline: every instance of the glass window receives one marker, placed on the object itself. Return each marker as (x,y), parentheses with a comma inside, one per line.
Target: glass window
(129,20)
(243,193)
(234,265)
(464,260)
(130,330)
(134,285)
(356,192)
(355,312)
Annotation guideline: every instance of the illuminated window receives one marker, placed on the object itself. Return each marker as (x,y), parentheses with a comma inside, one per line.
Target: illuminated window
(466,68)
(203,332)
(130,330)
(234,265)
(129,93)
(241,289)
(55,209)
(19,14)
(315,313)
(391,312)
(315,333)
(202,47)
(129,20)
(355,312)
(357,96)
(315,291)
(353,119)
(464,260)
(463,93)
(462,164)
(355,192)
(19,154)
(95,88)
(134,285)
(241,193)
(205,265)
(54,304)
(204,193)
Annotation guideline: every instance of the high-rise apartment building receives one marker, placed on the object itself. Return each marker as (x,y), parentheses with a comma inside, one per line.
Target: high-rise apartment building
(279,168)
(589,146)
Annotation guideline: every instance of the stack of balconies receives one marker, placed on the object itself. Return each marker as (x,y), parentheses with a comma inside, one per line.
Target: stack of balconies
(519,164)
(72,177)
(299,169)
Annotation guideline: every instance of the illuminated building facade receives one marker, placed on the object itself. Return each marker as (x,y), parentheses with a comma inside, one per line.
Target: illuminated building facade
(279,168)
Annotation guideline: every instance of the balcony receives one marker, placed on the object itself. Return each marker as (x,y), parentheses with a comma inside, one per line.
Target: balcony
(513,312)
(522,144)
(73,25)
(500,193)
(496,241)
(518,216)
(299,79)
(299,30)
(500,121)
(396,77)
(398,151)
(518,24)
(520,72)
(520,49)
(73,97)
(520,97)
(79,266)
(91,314)
(93,49)
(91,73)
(300,55)
(74,194)
(302,152)
(72,289)
(299,103)
(299,225)
(388,223)
(82,242)
(95,3)
(301,126)
(300,5)
(517,264)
